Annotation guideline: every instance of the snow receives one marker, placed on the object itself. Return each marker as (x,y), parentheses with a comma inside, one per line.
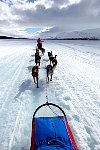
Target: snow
(75,88)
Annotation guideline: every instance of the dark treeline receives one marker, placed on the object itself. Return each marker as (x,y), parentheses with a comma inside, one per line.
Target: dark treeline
(73,39)
(6,37)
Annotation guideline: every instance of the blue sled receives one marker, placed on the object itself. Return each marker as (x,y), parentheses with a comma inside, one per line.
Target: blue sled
(52,133)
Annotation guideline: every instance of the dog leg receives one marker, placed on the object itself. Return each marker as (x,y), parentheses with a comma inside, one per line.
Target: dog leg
(34,80)
(37,82)
(51,78)
(48,79)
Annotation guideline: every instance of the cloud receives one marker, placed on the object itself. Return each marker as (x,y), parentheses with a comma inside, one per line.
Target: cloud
(62,15)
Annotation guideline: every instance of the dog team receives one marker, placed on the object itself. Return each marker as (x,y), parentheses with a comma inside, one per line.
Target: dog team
(49,68)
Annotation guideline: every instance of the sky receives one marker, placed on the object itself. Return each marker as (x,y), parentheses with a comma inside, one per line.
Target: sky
(31,18)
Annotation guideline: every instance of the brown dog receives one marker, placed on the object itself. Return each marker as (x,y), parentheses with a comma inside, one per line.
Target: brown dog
(39,47)
(49,70)
(35,71)
(54,62)
(50,55)
(43,50)
(37,58)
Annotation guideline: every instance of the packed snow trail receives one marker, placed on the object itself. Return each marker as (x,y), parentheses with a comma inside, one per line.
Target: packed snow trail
(75,87)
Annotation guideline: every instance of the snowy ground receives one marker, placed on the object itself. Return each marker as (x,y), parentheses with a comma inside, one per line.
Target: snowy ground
(75,87)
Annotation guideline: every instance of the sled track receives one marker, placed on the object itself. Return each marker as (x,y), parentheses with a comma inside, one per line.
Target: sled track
(12,82)
(15,126)
(9,104)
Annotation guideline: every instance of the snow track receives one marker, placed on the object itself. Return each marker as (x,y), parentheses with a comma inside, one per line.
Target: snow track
(75,87)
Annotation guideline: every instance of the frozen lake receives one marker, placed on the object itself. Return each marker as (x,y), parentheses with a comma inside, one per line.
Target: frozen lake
(75,87)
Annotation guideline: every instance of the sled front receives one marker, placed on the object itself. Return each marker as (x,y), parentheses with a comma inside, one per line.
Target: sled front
(52,133)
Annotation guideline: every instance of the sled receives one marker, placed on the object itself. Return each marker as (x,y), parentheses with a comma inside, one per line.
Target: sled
(51,133)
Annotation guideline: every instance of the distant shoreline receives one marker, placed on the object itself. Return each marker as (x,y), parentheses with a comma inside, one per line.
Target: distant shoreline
(5,37)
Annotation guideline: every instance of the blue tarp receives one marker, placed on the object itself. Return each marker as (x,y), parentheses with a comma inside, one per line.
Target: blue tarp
(51,134)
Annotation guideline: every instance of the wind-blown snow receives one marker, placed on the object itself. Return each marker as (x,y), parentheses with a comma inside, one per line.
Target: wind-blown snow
(75,88)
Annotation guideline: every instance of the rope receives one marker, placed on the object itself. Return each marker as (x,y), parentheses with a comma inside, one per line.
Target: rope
(46,91)
(61,144)
(53,111)
(47,99)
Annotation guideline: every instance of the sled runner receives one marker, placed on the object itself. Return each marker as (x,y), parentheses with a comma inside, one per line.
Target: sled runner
(51,133)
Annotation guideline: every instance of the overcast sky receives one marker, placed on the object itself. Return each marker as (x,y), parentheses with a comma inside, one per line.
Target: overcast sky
(27,18)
